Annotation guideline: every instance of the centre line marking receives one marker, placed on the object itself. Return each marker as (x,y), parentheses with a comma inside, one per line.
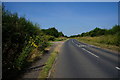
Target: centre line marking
(117,68)
(75,43)
(90,52)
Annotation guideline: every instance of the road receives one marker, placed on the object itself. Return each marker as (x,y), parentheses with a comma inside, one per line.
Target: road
(80,60)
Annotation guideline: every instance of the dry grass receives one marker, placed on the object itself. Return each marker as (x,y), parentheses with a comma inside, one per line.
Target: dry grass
(46,69)
(60,39)
(108,42)
(34,54)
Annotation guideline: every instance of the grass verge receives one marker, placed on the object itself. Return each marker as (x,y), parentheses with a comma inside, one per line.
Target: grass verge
(48,65)
(97,42)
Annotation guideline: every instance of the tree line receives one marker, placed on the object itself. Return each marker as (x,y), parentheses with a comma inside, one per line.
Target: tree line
(99,32)
(106,36)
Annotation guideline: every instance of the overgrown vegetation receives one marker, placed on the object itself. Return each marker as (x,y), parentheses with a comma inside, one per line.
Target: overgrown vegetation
(20,37)
(101,41)
(102,36)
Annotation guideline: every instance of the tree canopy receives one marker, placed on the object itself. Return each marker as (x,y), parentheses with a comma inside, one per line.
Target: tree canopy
(53,32)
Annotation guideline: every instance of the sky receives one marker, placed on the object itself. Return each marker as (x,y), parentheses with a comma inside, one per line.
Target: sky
(71,18)
(60,0)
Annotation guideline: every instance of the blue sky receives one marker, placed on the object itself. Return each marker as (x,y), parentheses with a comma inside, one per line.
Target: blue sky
(60,0)
(69,17)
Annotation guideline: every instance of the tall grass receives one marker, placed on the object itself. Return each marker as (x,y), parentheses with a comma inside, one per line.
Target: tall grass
(107,41)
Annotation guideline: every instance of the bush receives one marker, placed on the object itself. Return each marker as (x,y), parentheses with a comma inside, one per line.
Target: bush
(19,38)
(21,61)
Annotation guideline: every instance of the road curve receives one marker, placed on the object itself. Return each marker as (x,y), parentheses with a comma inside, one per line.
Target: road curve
(80,60)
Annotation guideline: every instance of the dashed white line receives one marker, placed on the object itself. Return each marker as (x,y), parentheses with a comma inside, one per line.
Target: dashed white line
(82,45)
(90,52)
(75,43)
(85,49)
(78,44)
(117,68)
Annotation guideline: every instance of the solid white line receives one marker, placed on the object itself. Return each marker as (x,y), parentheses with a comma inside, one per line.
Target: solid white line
(90,53)
(117,68)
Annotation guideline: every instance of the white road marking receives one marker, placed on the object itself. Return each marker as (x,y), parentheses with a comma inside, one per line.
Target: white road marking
(78,44)
(75,43)
(117,68)
(82,45)
(72,41)
(90,52)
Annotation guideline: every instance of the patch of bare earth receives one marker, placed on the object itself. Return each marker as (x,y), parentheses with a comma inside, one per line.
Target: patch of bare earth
(34,70)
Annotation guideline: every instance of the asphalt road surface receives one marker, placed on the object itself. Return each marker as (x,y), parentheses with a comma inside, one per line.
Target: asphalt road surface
(80,60)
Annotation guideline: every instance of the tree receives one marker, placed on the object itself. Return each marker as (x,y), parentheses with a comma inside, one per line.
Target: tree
(52,32)
(61,34)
